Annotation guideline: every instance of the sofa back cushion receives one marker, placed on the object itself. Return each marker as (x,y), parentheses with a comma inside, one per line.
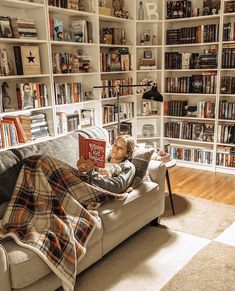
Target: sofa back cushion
(141,159)
(9,170)
(63,148)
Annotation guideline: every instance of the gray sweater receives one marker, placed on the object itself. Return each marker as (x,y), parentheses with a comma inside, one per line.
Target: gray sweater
(118,184)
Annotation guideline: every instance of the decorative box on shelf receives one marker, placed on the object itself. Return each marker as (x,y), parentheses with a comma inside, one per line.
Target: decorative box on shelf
(105,11)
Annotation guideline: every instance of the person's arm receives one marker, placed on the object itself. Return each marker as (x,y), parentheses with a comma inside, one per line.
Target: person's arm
(117,184)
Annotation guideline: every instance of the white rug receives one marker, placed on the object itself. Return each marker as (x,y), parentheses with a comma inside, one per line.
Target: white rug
(156,256)
(146,261)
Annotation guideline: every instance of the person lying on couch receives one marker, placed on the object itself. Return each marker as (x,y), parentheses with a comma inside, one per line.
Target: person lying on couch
(48,208)
(118,173)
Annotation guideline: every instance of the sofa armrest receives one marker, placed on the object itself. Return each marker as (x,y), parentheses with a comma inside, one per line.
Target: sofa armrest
(157,171)
(5,279)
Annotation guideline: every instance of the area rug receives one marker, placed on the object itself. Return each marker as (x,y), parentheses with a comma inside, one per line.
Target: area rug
(198,216)
(192,250)
(212,268)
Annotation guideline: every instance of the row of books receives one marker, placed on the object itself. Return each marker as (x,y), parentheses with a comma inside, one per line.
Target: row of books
(81,5)
(228,31)
(67,93)
(114,89)
(113,35)
(27,61)
(226,110)
(17,27)
(198,34)
(191,154)
(226,133)
(225,158)
(176,60)
(110,112)
(198,131)
(66,63)
(228,57)
(204,83)
(115,60)
(204,109)
(80,31)
(22,128)
(66,122)
(125,129)
(31,95)
(227,85)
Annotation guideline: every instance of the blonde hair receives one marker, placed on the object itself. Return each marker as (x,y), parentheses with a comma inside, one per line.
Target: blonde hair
(130,144)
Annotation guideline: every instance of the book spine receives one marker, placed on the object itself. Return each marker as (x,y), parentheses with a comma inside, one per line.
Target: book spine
(18,60)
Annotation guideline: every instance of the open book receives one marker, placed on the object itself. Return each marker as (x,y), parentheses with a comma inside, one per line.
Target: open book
(92,149)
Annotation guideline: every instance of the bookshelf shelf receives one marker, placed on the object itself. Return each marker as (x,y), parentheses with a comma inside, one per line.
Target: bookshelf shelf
(70,44)
(197,18)
(21,4)
(148,46)
(154,137)
(116,72)
(190,94)
(24,77)
(192,44)
(25,111)
(189,141)
(69,12)
(16,40)
(114,19)
(147,21)
(116,45)
(191,70)
(188,118)
(75,74)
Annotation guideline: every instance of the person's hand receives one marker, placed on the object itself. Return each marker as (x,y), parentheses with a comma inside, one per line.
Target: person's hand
(105,172)
(85,165)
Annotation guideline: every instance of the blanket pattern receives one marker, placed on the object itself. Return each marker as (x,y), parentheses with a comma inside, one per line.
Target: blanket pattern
(47,214)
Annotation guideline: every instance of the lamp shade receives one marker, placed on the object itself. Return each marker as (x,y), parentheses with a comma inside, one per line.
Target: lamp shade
(153,94)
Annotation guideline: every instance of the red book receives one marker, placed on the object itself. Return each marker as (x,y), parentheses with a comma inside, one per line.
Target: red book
(20,131)
(92,149)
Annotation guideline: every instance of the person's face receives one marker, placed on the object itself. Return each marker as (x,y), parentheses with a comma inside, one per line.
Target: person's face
(27,89)
(119,150)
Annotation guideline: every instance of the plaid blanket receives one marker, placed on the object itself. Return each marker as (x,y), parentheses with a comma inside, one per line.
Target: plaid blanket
(47,215)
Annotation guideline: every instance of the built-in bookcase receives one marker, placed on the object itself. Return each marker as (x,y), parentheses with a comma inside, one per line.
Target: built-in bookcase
(153,51)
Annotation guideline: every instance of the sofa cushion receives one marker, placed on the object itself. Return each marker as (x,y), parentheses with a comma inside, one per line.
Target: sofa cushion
(141,158)
(23,261)
(63,148)
(9,171)
(119,212)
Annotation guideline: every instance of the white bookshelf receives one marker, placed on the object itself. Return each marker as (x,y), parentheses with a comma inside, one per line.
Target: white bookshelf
(41,12)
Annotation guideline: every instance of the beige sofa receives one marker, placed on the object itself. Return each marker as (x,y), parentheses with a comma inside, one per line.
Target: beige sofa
(22,269)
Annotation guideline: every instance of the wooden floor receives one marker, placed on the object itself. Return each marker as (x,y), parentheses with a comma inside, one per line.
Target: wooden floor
(204,184)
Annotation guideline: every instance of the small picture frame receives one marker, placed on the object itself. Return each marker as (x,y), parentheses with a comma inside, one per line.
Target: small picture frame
(146,37)
(148,54)
(146,108)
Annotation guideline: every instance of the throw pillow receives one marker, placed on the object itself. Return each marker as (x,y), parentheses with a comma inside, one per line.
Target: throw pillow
(141,159)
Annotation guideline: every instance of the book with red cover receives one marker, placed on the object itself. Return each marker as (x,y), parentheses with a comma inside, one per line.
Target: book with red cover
(92,149)
(20,130)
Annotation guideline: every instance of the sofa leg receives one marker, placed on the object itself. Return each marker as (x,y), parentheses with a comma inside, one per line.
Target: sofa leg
(156,221)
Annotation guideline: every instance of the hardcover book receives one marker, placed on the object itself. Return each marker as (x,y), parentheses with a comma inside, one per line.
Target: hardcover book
(30,60)
(92,149)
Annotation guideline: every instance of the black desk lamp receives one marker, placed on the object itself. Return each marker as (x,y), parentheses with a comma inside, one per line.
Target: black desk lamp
(153,94)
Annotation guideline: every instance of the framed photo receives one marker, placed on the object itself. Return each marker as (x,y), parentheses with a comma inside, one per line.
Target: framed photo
(147,54)
(146,37)
(146,108)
